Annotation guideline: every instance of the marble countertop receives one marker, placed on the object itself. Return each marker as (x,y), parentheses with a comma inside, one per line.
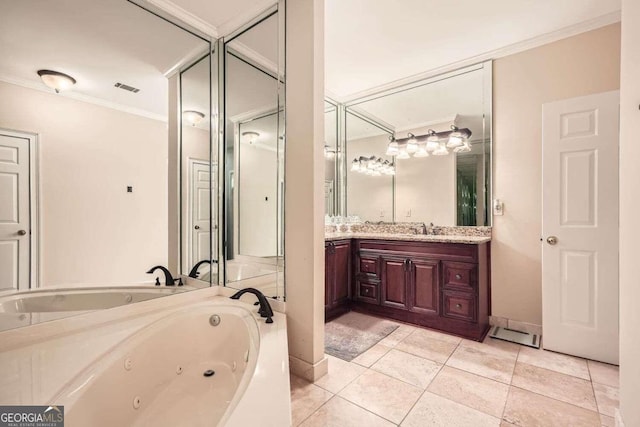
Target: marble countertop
(470,240)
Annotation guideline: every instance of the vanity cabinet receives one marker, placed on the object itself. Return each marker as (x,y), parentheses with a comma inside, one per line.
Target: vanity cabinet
(337,277)
(439,285)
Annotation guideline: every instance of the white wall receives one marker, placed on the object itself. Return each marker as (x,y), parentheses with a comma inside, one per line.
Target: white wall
(629,208)
(581,65)
(93,231)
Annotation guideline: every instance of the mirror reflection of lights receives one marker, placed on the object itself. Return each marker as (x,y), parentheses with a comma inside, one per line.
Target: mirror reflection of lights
(373,166)
(251,137)
(192,117)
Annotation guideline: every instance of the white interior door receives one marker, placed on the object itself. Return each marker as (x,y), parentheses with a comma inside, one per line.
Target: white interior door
(580,226)
(14,212)
(201,209)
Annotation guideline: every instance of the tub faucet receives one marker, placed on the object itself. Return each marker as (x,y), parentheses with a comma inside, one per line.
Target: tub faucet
(265,308)
(194,271)
(169,280)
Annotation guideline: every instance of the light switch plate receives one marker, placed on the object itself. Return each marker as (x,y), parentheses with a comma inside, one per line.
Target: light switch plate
(498,207)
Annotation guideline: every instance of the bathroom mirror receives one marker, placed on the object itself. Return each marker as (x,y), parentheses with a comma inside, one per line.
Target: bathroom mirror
(330,157)
(368,197)
(254,150)
(88,182)
(447,187)
(198,173)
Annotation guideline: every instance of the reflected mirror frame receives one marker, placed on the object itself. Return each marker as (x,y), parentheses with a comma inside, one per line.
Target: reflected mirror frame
(345,164)
(338,158)
(487,106)
(209,57)
(279,10)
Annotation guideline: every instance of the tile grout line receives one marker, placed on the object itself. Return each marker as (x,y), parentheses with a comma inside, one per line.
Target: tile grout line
(425,390)
(557,400)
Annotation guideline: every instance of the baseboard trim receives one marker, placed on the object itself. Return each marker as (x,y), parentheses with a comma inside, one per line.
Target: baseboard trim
(308,371)
(618,418)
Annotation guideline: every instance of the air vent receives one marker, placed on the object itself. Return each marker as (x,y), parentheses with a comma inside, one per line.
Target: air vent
(127,87)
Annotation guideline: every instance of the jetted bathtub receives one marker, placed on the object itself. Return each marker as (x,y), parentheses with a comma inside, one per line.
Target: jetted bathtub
(80,299)
(213,364)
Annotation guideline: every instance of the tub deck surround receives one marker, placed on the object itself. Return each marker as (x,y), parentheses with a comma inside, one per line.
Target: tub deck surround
(38,361)
(441,281)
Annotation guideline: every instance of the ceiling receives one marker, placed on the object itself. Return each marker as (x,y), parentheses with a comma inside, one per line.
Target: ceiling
(100,44)
(369,43)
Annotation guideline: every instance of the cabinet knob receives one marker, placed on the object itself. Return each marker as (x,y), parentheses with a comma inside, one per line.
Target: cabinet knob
(458,305)
(458,276)
(22,232)
(366,290)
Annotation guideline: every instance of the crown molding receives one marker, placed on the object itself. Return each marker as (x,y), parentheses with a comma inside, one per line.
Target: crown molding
(246,16)
(254,56)
(541,40)
(76,96)
(185,16)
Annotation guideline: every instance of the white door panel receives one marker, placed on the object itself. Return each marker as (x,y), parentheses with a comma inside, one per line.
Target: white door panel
(14,212)
(201,209)
(580,210)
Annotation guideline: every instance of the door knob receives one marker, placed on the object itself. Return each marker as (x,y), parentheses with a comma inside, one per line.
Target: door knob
(197,227)
(552,240)
(22,232)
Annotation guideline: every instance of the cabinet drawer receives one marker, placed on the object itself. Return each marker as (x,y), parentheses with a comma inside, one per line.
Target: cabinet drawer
(460,275)
(369,265)
(367,292)
(459,305)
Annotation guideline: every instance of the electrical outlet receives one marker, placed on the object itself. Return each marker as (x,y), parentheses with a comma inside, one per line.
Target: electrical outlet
(498,207)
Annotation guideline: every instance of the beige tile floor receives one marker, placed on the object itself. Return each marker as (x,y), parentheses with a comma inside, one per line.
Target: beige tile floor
(419,377)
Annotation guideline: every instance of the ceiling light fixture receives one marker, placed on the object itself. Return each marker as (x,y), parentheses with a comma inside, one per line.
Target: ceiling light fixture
(56,80)
(192,117)
(251,136)
(432,140)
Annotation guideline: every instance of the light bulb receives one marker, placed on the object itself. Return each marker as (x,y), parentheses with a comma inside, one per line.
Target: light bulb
(464,148)
(412,144)
(403,154)
(392,148)
(441,150)
(433,142)
(422,152)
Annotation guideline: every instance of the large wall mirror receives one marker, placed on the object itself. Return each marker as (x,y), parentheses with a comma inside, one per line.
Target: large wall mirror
(198,173)
(86,174)
(438,168)
(254,151)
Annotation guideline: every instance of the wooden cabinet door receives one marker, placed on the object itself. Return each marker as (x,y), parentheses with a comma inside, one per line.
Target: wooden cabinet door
(342,274)
(394,282)
(424,286)
(329,268)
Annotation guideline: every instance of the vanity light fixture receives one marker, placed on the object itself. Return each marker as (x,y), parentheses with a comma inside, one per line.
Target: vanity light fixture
(251,136)
(412,144)
(372,166)
(441,150)
(433,142)
(56,80)
(192,117)
(422,152)
(329,153)
(455,139)
(393,148)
